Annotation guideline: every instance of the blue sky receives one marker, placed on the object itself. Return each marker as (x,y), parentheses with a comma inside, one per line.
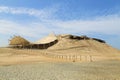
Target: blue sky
(34,19)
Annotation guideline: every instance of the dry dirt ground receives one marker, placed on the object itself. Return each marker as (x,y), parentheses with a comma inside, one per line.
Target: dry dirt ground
(16,64)
(18,56)
(102,70)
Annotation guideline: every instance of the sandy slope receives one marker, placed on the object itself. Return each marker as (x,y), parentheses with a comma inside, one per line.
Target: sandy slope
(65,50)
(90,47)
(82,44)
(15,56)
(28,64)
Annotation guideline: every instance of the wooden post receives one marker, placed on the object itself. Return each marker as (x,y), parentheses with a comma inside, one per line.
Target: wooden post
(73,58)
(62,56)
(59,56)
(86,58)
(66,57)
(80,58)
(43,46)
(90,58)
(76,57)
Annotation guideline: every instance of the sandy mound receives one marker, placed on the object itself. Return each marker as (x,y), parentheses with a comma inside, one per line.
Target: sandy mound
(82,44)
(68,48)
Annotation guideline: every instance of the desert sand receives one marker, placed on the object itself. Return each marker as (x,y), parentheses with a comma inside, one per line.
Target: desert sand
(68,59)
(24,64)
(101,70)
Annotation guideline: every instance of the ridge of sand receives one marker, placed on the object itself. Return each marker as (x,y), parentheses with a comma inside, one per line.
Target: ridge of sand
(65,47)
(83,44)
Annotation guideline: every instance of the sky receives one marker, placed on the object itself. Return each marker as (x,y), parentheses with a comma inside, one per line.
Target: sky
(35,19)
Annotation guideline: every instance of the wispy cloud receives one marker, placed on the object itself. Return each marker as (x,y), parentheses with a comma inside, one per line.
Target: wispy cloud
(42,13)
(105,25)
(109,24)
(30,30)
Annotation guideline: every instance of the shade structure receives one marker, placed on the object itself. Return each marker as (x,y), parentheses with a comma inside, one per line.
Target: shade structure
(48,39)
(18,40)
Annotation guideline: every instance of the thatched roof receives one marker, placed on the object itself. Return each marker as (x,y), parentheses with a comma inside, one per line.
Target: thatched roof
(18,40)
(50,38)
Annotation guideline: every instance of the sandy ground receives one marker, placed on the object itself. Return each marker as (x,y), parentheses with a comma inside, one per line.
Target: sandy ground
(34,65)
(86,60)
(20,56)
(103,70)
(15,56)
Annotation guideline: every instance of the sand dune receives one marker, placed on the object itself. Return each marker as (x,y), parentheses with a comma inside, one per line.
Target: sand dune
(80,49)
(93,60)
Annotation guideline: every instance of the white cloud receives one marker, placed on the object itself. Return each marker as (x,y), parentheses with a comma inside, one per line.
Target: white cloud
(104,25)
(12,28)
(42,13)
